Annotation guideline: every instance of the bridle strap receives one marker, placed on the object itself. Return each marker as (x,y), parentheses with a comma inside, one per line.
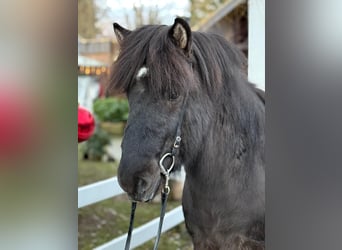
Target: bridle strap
(161,220)
(130,229)
(166,172)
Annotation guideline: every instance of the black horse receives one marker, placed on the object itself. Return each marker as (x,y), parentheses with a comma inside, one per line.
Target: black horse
(174,76)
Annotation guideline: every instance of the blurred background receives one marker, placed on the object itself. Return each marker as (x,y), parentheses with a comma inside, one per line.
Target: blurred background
(39,155)
(38,145)
(99,156)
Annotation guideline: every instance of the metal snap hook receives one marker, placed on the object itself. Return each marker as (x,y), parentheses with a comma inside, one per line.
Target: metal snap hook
(166,190)
(166,171)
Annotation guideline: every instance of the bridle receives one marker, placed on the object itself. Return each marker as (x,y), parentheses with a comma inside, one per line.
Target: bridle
(165,172)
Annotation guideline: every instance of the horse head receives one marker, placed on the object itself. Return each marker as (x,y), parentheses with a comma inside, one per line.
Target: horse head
(154,70)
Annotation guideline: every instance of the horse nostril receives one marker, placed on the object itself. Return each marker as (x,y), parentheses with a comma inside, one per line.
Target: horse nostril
(139,183)
(141,186)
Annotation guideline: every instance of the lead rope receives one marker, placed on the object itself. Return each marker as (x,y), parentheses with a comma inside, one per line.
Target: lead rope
(162,214)
(130,229)
(165,194)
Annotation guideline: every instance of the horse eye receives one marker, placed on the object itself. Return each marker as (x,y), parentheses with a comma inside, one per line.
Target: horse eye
(173,95)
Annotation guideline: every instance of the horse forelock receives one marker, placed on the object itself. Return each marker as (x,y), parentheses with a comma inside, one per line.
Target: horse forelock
(215,61)
(150,47)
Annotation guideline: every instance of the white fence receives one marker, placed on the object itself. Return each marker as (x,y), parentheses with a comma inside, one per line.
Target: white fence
(109,188)
(256,42)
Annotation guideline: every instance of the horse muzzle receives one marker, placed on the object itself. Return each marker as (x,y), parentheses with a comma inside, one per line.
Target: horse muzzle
(141,183)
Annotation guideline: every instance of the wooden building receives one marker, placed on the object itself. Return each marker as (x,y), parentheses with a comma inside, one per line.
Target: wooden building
(230,21)
(242,22)
(104,50)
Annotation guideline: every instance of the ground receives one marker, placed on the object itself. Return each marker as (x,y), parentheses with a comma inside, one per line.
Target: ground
(103,221)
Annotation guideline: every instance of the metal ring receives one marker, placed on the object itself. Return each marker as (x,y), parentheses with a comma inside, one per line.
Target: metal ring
(166,190)
(176,144)
(164,170)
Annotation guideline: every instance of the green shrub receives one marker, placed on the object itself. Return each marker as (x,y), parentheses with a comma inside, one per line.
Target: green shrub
(111,109)
(94,146)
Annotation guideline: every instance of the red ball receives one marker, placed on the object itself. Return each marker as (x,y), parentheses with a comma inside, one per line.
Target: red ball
(17,122)
(86,124)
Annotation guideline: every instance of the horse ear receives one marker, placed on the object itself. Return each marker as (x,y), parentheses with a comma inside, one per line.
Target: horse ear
(180,33)
(120,32)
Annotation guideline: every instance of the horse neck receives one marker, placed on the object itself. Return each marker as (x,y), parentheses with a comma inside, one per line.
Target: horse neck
(232,119)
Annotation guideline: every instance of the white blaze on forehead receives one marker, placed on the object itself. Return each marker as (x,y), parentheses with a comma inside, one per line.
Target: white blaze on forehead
(142,72)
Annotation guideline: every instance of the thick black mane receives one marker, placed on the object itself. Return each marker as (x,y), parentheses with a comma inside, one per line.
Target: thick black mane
(150,46)
(215,60)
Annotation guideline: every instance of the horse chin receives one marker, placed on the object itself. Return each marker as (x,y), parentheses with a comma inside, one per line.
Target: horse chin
(148,195)
(154,193)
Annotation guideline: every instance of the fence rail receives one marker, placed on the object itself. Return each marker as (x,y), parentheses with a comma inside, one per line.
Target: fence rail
(147,231)
(98,191)
(108,188)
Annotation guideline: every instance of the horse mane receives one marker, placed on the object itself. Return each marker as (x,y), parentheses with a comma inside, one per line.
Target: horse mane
(219,63)
(260,93)
(150,46)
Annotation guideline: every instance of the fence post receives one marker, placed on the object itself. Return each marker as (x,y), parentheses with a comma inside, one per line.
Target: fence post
(256,42)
